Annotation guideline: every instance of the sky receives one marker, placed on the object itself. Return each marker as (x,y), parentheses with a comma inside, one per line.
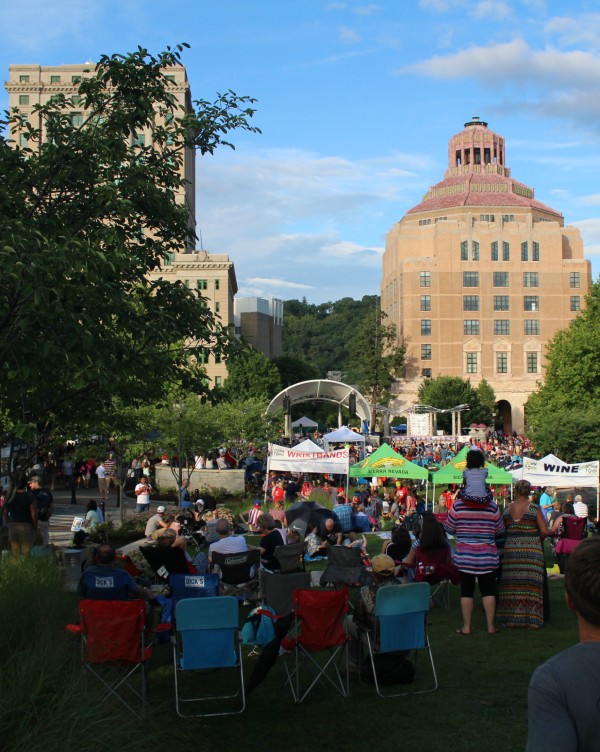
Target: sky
(356,102)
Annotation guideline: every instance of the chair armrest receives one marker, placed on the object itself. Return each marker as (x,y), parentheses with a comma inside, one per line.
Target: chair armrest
(74,628)
(164,627)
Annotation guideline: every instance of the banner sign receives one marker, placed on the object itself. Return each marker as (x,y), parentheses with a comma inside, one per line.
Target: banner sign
(288,458)
(552,471)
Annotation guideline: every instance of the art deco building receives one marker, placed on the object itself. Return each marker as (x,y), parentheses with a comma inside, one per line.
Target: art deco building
(479,276)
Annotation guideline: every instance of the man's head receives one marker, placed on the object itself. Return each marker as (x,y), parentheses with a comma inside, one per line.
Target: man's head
(329,524)
(266,522)
(167,539)
(578,498)
(106,554)
(185,483)
(223,527)
(144,479)
(160,510)
(383,566)
(35,483)
(582,582)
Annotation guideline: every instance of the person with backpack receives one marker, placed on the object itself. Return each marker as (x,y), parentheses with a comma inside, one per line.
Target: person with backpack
(45,507)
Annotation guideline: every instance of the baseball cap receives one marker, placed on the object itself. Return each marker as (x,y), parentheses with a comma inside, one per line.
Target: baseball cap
(383,565)
(161,510)
(257,503)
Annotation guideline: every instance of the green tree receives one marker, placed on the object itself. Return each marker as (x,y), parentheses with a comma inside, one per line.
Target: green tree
(86,213)
(250,375)
(293,370)
(376,362)
(560,415)
(445,392)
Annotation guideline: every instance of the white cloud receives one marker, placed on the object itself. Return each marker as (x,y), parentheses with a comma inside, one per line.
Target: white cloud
(491,9)
(590,232)
(41,22)
(348,36)
(441,6)
(345,249)
(367,10)
(581,30)
(273,282)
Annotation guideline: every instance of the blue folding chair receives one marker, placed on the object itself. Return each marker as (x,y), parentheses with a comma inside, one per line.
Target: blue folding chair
(207,638)
(193,586)
(401,614)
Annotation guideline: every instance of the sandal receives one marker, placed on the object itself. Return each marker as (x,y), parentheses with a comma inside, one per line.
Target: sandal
(462,632)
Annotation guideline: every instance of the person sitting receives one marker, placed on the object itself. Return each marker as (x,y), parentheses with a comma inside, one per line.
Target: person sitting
(105,582)
(278,513)
(343,514)
(156,523)
(361,522)
(271,538)
(331,532)
(171,539)
(251,518)
(92,519)
(88,552)
(227,543)
(398,546)
(185,500)
(580,507)
(430,553)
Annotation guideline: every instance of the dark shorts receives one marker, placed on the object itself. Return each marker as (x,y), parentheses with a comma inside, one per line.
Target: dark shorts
(21,532)
(486,582)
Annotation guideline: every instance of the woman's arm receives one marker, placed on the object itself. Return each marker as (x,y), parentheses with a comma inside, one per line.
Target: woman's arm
(542,524)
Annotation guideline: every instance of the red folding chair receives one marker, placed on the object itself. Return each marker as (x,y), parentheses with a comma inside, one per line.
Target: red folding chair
(114,649)
(436,568)
(319,627)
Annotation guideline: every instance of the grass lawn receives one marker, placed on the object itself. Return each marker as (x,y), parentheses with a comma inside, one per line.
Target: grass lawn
(481,703)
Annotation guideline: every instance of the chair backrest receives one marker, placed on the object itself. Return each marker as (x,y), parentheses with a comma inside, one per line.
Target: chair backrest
(289,557)
(113,630)
(435,566)
(574,527)
(278,589)
(193,586)
(110,586)
(207,631)
(321,616)
(402,613)
(237,568)
(165,561)
(342,556)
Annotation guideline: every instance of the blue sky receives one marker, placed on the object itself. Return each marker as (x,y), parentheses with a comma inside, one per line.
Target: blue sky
(356,103)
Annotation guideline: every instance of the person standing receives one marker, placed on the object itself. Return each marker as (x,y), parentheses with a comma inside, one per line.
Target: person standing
(185,500)
(563,693)
(142,494)
(112,477)
(101,475)
(21,516)
(521,591)
(476,527)
(580,507)
(45,507)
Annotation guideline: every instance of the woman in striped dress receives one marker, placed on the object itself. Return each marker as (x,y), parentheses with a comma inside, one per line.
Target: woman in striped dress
(521,595)
(476,527)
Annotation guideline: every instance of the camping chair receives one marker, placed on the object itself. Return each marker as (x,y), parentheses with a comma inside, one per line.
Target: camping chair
(193,586)
(319,626)
(290,557)
(436,568)
(401,614)
(165,561)
(574,529)
(207,638)
(345,567)
(277,589)
(239,572)
(114,649)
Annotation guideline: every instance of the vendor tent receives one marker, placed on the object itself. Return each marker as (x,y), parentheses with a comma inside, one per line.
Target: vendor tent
(453,472)
(305,422)
(386,463)
(343,435)
(552,471)
(307,457)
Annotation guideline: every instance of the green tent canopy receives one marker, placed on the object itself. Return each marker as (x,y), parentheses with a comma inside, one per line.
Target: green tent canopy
(387,463)
(453,472)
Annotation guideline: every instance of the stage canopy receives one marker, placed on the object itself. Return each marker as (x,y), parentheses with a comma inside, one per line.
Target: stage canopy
(453,472)
(552,471)
(305,422)
(387,463)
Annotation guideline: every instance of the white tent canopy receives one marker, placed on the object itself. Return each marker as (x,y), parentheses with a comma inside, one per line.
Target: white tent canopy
(343,435)
(305,422)
(308,457)
(552,471)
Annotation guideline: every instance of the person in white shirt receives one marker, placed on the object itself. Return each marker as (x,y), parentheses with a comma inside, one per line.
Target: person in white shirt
(142,494)
(227,543)
(580,507)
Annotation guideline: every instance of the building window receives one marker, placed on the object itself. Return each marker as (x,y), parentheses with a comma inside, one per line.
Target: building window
(532,326)
(495,250)
(471,326)
(464,250)
(76,100)
(75,79)
(217,307)
(501,327)
(217,284)
(201,284)
(475,251)
(169,258)
(218,380)
(470,302)
(425,352)
(535,255)
(501,303)
(531,303)
(54,79)
(470,279)
(505,251)
(139,140)
(532,362)
(426,373)
(24,79)
(426,302)
(525,251)
(425,279)
(217,358)
(23,98)
(500,279)
(486,217)
(76,119)
(170,77)
(501,362)
(471,362)
(575,303)
(425,327)
(574,279)
(23,143)
(186,282)
(508,217)
(531,279)
(203,356)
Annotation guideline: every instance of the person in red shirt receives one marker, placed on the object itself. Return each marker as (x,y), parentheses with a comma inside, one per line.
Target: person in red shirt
(278,492)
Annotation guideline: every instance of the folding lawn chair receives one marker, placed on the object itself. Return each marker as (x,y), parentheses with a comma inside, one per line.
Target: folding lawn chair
(436,568)
(290,557)
(193,586)
(345,567)
(574,530)
(319,626)
(165,561)
(239,572)
(114,649)
(277,589)
(207,638)
(401,613)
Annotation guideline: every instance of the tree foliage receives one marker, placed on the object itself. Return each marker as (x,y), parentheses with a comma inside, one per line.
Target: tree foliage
(561,414)
(250,375)
(445,392)
(86,213)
